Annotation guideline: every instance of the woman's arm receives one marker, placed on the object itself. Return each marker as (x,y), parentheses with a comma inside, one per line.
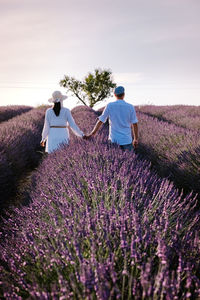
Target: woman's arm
(45,130)
(73,125)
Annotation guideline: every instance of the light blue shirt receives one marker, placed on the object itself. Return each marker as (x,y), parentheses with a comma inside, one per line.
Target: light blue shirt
(121,115)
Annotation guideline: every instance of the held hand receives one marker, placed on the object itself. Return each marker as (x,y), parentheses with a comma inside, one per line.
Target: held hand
(42,144)
(135,143)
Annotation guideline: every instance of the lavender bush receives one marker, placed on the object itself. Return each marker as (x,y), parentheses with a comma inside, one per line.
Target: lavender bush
(101,225)
(19,139)
(10,111)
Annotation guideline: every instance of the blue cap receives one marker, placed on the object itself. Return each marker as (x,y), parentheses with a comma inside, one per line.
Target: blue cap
(119,90)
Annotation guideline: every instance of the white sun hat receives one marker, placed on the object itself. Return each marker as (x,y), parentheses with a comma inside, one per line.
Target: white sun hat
(57,97)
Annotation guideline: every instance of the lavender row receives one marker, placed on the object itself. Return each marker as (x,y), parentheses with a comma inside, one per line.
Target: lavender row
(10,111)
(174,151)
(19,140)
(101,225)
(184,116)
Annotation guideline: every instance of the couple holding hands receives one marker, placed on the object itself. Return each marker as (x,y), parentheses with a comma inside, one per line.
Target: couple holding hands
(123,123)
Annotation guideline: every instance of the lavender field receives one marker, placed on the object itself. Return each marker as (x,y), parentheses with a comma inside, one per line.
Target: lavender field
(19,139)
(11,111)
(173,150)
(102,224)
(181,115)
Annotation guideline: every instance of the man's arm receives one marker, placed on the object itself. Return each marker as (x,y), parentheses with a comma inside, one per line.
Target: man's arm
(134,128)
(95,129)
(102,119)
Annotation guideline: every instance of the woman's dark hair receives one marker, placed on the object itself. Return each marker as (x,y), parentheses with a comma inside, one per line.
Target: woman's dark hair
(57,108)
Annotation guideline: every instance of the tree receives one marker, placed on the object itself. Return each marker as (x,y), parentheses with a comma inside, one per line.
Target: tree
(94,87)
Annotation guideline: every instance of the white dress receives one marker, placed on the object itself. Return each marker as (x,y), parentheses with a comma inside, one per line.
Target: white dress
(56,136)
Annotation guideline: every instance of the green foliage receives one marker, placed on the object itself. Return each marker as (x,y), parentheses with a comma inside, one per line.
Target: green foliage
(94,88)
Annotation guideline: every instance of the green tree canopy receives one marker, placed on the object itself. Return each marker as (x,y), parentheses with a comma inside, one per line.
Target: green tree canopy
(95,87)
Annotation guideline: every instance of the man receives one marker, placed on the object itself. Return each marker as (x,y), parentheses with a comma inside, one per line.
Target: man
(123,127)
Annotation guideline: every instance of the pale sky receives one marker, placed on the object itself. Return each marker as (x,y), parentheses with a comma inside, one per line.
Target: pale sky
(151,46)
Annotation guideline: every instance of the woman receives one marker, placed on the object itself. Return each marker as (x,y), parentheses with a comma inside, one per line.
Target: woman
(55,131)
